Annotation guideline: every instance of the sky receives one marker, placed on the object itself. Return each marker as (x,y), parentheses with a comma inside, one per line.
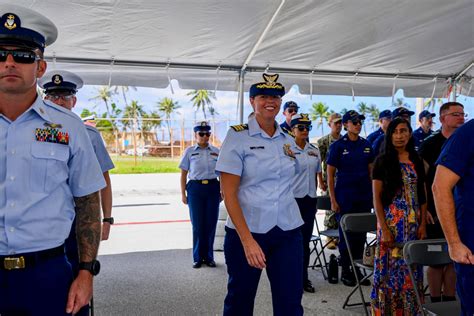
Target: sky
(226,104)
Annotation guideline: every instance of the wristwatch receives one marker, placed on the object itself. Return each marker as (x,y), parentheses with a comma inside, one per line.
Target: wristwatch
(93,266)
(108,220)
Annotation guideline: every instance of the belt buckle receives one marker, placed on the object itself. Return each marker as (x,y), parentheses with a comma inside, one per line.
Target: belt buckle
(205,181)
(14,263)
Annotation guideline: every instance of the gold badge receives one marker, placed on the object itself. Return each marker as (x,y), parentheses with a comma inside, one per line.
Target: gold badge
(57,79)
(10,22)
(271,79)
(287,150)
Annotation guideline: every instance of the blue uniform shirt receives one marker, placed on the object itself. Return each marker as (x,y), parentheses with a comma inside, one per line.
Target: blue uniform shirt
(419,136)
(200,162)
(309,165)
(266,170)
(41,172)
(377,144)
(374,135)
(458,156)
(351,159)
(285,127)
(101,153)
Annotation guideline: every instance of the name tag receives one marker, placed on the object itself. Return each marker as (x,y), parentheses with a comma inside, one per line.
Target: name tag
(195,154)
(215,154)
(257,147)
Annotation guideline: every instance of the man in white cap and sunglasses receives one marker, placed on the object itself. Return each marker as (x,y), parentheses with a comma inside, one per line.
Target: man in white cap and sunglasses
(48,176)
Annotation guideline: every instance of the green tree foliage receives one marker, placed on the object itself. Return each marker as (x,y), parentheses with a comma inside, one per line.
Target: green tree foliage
(319,112)
(168,107)
(202,101)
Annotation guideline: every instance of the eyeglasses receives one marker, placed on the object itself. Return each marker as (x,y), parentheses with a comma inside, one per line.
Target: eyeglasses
(291,111)
(202,134)
(457,114)
(55,97)
(303,128)
(19,56)
(357,122)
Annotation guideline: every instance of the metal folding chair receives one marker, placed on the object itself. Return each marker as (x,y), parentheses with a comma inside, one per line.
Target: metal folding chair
(429,252)
(323,203)
(358,223)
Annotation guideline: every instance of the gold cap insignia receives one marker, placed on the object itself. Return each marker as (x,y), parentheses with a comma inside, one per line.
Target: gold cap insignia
(57,79)
(304,117)
(10,22)
(271,80)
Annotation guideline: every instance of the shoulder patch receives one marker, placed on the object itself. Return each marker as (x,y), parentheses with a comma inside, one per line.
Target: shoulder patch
(240,127)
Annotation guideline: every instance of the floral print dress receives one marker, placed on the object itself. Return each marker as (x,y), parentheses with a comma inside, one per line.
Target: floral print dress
(393,292)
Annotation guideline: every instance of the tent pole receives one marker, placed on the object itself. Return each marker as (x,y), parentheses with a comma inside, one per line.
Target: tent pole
(241,96)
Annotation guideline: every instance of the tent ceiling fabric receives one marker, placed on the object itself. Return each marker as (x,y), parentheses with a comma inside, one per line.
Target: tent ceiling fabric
(423,39)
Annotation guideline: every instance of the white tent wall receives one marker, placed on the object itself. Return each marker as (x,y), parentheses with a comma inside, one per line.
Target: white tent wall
(416,40)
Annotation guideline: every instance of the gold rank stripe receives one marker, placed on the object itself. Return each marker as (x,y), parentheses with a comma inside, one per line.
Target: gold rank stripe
(240,128)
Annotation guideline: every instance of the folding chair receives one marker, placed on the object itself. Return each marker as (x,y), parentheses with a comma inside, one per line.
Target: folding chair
(358,223)
(323,203)
(429,252)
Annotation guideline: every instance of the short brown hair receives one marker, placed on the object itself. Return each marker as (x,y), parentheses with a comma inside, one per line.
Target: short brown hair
(447,105)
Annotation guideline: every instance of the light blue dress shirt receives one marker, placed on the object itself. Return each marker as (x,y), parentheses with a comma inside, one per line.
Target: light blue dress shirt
(200,162)
(266,171)
(101,153)
(309,161)
(39,179)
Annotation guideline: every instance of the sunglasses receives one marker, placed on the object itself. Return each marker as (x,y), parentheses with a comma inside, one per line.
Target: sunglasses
(357,122)
(19,56)
(202,134)
(303,128)
(56,97)
(291,111)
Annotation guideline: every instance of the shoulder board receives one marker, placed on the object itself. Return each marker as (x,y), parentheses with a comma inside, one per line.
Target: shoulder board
(240,128)
(313,146)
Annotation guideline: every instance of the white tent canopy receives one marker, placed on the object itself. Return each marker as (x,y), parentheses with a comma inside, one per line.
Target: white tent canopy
(318,45)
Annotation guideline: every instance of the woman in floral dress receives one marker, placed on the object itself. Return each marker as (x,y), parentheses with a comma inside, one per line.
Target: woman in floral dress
(400,205)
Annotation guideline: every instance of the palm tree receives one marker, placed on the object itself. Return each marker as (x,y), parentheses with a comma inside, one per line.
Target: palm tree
(319,112)
(400,102)
(202,99)
(363,109)
(123,90)
(104,94)
(167,106)
(374,113)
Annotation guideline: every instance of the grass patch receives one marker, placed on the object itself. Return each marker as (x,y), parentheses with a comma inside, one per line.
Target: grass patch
(126,165)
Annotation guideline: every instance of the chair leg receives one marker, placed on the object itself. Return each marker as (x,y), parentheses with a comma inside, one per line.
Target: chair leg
(354,289)
(91,306)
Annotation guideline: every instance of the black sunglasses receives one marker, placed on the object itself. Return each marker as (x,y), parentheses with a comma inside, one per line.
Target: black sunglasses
(357,122)
(302,128)
(291,111)
(19,56)
(202,134)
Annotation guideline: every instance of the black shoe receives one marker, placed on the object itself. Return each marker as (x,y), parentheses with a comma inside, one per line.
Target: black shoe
(211,263)
(197,265)
(366,282)
(348,278)
(308,287)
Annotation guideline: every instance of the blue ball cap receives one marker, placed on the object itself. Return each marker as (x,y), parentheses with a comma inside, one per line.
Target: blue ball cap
(23,27)
(385,114)
(401,111)
(301,118)
(291,104)
(425,113)
(352,116)
(202,127)
(60,80)
(269,87)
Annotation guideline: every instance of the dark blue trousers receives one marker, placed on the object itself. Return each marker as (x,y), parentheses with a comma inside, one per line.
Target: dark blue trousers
(72,254)
(307,206)
(37,290)
(356,240)
(284,259)
(465,287)
(203,202)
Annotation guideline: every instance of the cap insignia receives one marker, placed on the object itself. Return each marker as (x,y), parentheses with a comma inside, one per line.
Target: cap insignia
(10,22)
(57,79)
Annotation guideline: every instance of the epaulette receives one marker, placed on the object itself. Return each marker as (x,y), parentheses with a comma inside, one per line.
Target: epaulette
(240,127)
(313,146)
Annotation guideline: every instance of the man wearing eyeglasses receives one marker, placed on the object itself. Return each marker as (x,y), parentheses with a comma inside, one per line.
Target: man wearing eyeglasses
(441,279)
(48,176)
(290,109)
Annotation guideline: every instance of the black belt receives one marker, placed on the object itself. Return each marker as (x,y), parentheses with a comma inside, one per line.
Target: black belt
(27,260)
(205,181)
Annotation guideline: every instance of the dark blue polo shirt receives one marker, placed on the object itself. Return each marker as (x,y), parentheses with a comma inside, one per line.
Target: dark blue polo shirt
(419,136)
(458,156)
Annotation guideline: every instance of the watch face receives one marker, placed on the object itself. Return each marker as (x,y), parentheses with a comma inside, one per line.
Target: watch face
(95,268)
